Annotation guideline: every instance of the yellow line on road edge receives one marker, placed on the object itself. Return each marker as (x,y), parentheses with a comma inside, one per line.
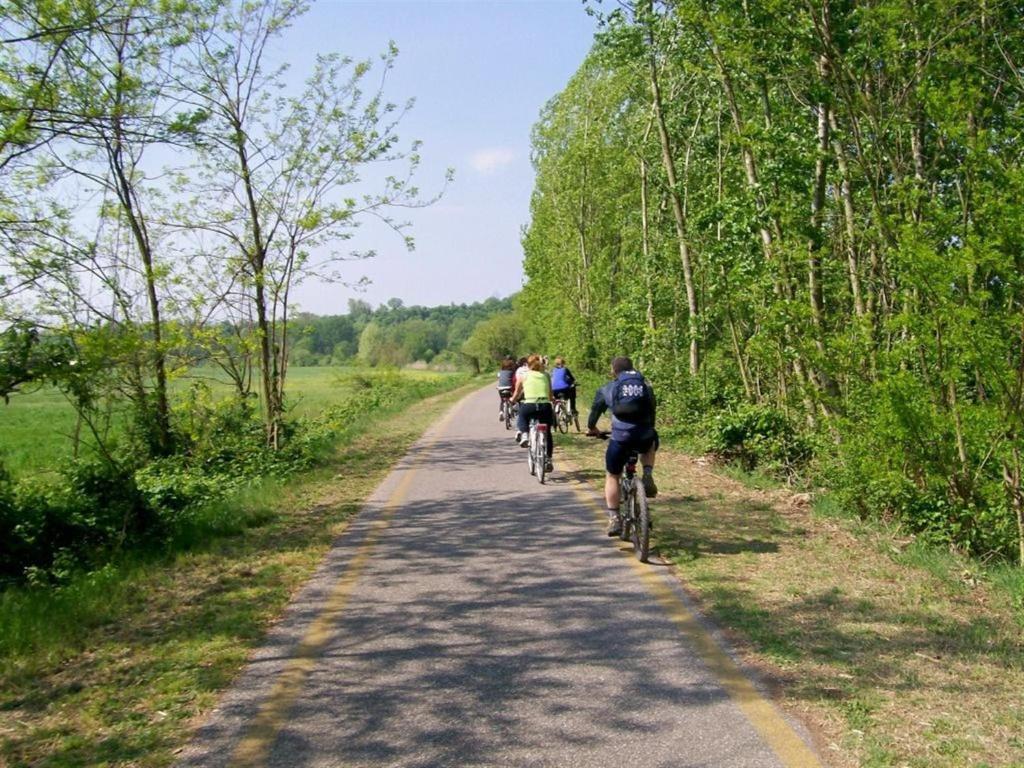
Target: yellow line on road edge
(273,713)
(762,714)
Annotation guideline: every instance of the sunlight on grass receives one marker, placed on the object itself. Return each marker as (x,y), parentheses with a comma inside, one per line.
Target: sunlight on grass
(37,427)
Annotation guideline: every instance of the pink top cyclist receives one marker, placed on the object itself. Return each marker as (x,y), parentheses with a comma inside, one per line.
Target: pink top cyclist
(521,371)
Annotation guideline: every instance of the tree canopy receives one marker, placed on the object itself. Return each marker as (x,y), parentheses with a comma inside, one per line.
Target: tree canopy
(812,210)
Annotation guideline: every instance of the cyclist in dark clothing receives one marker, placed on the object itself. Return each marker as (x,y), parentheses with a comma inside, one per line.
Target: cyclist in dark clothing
(506,381)
(633,408)
(563,383)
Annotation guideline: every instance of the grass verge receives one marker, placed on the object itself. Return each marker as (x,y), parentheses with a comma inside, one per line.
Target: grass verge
(893,653)
(116,667)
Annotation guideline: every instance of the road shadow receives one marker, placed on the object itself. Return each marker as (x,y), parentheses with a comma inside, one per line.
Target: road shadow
(493,624)
(490,622)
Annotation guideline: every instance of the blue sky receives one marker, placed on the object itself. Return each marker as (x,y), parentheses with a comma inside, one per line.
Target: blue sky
(480,73)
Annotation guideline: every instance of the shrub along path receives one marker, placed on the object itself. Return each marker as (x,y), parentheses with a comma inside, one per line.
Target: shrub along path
(899,655)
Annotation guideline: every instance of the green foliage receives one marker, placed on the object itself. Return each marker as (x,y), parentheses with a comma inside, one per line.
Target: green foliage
(391,335)
(28,357)
(759,437)
(493,339)
(51,530)
(845,183)
(105,504)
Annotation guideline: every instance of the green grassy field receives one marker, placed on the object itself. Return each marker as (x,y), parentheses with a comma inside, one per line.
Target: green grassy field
(36,428)
(35,432)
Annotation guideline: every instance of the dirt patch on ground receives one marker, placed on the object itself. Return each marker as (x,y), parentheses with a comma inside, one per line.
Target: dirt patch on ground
(891,655)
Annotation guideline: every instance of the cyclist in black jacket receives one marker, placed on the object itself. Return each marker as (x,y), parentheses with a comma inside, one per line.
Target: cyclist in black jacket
(633,406)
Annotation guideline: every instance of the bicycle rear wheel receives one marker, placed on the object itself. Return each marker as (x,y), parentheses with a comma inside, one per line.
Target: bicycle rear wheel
(641,524)
(531,454)
(626,515)
(506,409)
(562,417)
(540,460)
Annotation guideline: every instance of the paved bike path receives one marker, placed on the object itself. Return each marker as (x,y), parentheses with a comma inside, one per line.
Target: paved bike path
(471,617)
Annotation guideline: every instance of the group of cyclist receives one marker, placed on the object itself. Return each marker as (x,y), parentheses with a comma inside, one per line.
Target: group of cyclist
(627,395)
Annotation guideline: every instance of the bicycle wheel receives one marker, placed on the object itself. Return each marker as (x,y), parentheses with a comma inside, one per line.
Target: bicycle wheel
(626,513)
(561,417)
(641,533)
(506,409)
(540,461)
(531,454)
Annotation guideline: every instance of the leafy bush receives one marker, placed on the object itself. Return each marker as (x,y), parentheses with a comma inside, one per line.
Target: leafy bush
(927,510)
(99,505)
(48,530)
(898,459)
(759,437)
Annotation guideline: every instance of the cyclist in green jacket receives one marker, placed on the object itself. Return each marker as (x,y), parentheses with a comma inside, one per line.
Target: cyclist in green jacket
(533,391)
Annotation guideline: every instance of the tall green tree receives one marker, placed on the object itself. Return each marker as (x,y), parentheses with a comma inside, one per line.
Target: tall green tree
(276,174)
(844,178)
(100,104)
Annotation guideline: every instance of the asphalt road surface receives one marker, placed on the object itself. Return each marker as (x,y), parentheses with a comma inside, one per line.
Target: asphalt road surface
(472,617)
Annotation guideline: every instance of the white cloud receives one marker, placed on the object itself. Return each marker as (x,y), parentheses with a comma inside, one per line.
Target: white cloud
(492,159)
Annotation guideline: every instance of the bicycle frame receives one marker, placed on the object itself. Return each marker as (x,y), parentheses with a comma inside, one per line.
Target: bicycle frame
(627,490)
(634,514)
(507,411)
(537,455)
(563,415)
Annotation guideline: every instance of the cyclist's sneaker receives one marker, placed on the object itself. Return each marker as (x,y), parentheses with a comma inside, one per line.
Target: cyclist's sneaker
(525,440)
(650,489)
(518,436)
(614,525)
(549,467)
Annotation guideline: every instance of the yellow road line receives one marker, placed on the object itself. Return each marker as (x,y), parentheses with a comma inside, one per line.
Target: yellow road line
(762,714)
(255,745)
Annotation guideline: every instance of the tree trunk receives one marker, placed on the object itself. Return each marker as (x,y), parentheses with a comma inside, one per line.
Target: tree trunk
(814,245)
(645,246)
(256,256)
(130,207)
(849,219)
(734,334)
(1012,483)
(678,213)
(783,287)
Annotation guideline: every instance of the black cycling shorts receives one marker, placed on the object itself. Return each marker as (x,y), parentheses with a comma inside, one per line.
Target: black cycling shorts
(617,454)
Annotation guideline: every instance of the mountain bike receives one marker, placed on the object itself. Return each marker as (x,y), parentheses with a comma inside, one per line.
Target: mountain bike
(537,453)
(564,415)
(509,410)
(634,514)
